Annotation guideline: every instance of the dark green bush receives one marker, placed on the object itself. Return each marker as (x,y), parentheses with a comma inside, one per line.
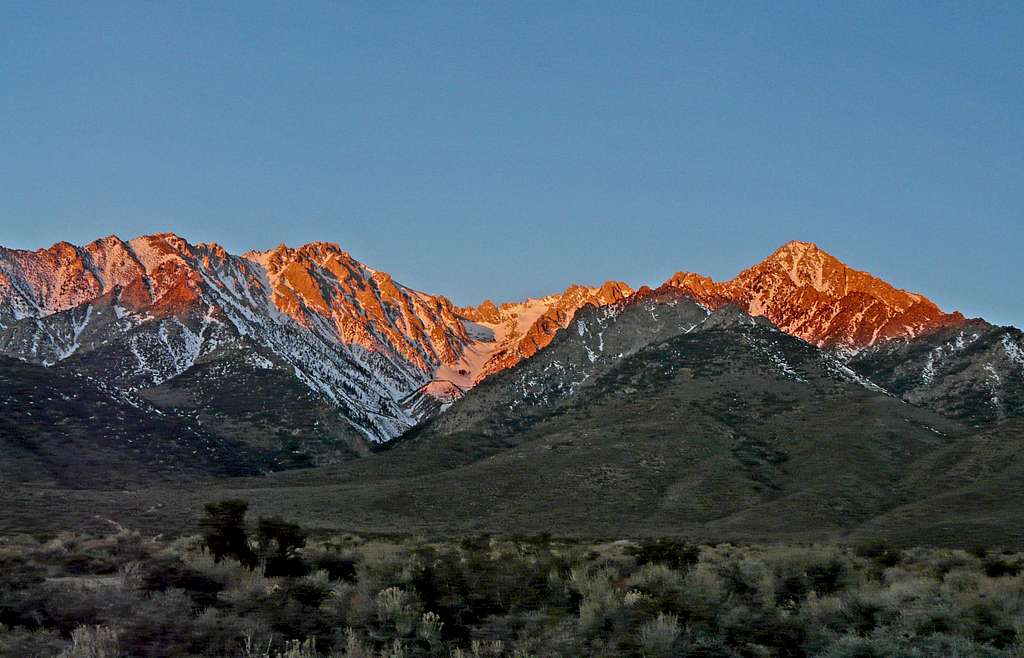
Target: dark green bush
(279,543)
(337,566)
(175,575)
(673,554)
(880,552)
(995,568)
(224,532)
(80,564)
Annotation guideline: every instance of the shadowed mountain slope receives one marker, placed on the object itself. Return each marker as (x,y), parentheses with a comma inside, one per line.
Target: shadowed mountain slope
(64,429)
(688,421)
(973,372)
(656,416)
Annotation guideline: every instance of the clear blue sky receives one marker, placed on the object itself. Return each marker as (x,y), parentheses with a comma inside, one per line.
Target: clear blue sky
(500,150)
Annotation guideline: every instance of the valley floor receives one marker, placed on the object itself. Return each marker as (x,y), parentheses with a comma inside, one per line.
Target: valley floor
(541,487)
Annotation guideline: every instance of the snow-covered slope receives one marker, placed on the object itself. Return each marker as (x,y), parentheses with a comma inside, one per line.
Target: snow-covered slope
(139,313)
(515,331)
(973,372)
(142,312)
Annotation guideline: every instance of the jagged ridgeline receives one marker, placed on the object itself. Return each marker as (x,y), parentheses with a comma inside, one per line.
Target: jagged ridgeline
(308,357)
(141,314)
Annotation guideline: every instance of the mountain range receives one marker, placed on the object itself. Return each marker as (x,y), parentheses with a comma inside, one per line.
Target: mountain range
(801,388)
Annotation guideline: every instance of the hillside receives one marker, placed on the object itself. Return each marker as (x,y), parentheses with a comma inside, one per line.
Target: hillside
(62,429)
(974,372)
(801,398)
(729,426)
(693,422)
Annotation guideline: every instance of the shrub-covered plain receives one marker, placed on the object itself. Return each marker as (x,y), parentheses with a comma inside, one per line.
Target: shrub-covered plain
(267,589)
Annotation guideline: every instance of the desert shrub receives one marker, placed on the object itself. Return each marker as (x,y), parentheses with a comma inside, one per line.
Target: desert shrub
(673,554)
(310,591)
(220,632)
(489,596)
(26,643)
(709,645)
(659,636)
(223,530)
(863,612)
(801,572)
(748,627)
(858,646)
(339,604)
(429,629)
(932,619)
(175,574)
(479,580)
(355,646)
(941,562)
(69,605)
(161,625)
(81,564)
(662,585)
(933,646)
(881,552)
(398,609)
(299,649)
(703,595)
(93,642)
(131,575)
(247,589)
(905,590)
(129,546)
(337,565)
(292,610)
(21,594)
(989,624)
(385,566)
(997,568)
(749,580)
(598,610)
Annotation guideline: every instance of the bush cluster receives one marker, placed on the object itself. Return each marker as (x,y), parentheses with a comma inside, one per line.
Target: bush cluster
(272,590)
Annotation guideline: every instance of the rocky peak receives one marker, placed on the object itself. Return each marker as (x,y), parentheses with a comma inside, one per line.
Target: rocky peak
(351,332)
(700,287)
(809,293)
(613,291)
(486,312)
(321,252)
(336,321)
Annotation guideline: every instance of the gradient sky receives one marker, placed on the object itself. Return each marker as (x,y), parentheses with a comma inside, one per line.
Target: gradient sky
(507,149)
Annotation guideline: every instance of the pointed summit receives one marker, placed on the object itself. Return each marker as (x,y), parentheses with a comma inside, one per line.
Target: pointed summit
(813,295)
(809,293)
(798,246)
(698,286)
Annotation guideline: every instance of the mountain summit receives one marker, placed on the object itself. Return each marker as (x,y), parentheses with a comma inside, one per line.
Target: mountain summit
(810,294)
(177,324)
(138,314)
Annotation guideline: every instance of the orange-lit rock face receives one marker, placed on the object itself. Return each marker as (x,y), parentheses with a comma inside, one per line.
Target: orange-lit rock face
(362,339)
(350,333)
(810,294)
(800,288)
(327,291)
(521,329)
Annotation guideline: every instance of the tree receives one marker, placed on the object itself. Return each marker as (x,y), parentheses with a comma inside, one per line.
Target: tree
(279,543)
(224,531)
